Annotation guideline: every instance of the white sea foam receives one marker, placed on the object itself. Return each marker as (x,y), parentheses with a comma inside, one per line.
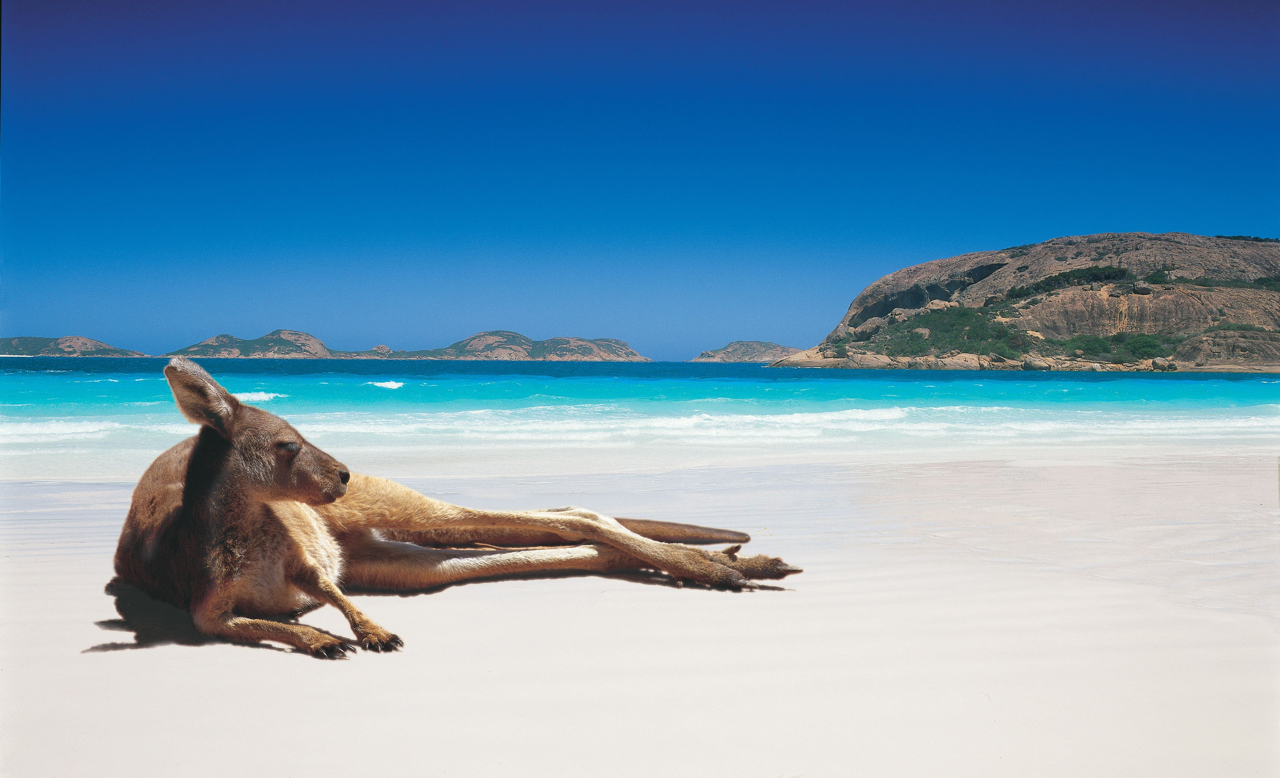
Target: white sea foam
(50,430)
(603,424)
(551,425)
(258,397)
(386,384)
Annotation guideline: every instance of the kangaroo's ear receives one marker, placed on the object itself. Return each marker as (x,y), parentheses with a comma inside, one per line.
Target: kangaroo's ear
(199,397)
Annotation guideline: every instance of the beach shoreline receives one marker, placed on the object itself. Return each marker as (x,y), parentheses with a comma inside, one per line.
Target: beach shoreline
(976,605)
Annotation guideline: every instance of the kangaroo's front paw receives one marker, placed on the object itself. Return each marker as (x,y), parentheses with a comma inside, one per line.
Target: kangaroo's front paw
(375,638)
(323,646)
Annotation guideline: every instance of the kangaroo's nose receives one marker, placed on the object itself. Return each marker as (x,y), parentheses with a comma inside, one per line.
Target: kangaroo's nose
(344,475)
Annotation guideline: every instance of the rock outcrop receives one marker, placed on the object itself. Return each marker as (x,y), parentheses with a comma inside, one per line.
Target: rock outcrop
(747,351)
(70,346)
(1118,300)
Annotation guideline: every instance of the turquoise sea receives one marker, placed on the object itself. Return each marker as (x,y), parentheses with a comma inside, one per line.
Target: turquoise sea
(106,418)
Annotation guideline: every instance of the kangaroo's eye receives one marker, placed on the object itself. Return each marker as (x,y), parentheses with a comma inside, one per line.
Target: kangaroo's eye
(289,448)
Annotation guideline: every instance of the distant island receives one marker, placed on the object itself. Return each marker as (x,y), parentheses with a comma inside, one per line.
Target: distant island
(70,346)
(746,351)
(290,344)
(495,345)
(1113,301)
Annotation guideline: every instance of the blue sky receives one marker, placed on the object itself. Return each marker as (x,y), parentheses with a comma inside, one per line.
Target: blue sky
(677,175)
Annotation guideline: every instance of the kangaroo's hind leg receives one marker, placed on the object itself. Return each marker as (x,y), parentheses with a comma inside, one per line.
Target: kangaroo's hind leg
(389,565)
(375,503)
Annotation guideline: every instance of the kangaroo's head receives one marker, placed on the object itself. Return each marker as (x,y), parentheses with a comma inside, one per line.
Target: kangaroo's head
(267,457)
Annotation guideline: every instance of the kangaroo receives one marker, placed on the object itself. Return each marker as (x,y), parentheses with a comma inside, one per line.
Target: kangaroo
(247,526)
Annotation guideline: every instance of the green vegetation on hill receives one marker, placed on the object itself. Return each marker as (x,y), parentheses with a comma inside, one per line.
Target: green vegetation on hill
(1268,283)
(969,330)
(1077,277)
(1119,348)
(976,331)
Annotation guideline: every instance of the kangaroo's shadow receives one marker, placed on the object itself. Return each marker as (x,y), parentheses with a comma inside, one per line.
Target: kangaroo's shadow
(152,622)
(645,577)
(157,623)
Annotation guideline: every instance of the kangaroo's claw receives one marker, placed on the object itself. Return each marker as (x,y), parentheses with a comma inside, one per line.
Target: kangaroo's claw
(334,650)
(381,641)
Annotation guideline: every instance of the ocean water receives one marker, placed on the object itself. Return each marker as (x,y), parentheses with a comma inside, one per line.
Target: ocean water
(105,419)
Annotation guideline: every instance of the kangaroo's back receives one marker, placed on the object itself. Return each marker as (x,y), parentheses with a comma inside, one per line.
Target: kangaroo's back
(152,554)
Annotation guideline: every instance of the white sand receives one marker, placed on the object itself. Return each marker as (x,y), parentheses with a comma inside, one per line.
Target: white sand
(1088,616)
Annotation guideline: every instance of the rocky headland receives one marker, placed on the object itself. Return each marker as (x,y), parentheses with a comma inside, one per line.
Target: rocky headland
(747,351)
(1114,301)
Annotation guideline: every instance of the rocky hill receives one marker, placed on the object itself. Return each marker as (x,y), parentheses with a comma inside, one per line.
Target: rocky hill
(501,344)
(746,351)
(1123,301)
(280,344)
(496,345)
(70,346)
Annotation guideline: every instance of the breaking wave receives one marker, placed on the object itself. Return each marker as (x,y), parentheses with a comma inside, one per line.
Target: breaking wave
(608,424)
(258,397)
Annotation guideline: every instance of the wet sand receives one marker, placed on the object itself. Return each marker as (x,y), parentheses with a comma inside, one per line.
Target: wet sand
(1081,615)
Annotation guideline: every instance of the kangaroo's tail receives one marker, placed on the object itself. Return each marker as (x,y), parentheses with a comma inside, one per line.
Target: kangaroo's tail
(671,532)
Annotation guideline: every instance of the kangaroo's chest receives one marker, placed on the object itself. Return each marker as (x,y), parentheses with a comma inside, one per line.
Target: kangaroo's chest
(290,538)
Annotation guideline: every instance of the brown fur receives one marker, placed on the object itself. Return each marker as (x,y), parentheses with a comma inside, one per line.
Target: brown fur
(247,522)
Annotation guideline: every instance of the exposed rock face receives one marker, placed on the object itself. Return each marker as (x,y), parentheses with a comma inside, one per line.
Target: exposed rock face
(70,346)
(1110,286)
(497,345)
(1173,309)
(746,351)
(1225,350)
(280,344)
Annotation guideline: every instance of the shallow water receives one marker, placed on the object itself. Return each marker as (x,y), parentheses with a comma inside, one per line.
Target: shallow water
(106,418)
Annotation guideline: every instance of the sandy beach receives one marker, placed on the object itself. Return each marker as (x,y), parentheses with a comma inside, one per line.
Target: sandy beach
(1084,613)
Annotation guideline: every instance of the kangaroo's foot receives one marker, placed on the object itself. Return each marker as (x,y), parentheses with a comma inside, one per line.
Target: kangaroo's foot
(759,567)
(375,638)
(704,567)
(682,563)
